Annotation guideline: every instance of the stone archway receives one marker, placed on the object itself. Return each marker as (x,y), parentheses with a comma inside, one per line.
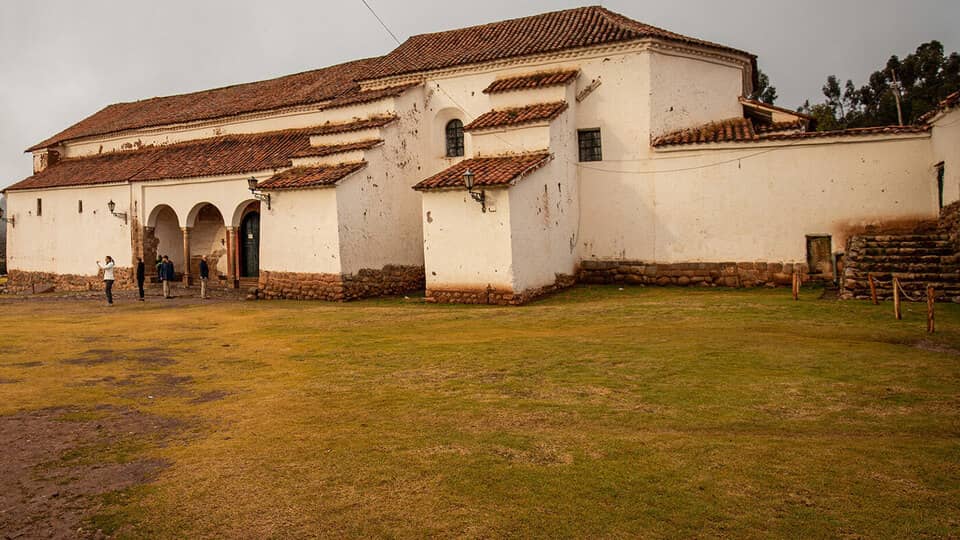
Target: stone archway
(208,236)
(163,236)
(247,239)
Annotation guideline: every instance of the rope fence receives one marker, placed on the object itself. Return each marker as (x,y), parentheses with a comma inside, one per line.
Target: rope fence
(897,292)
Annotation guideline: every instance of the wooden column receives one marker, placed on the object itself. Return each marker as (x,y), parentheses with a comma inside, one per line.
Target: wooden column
(231,262)
(236,254)
(186,255)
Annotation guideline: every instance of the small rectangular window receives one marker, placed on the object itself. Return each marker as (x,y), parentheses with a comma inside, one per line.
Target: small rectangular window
(79,207)
(589,141)
(39,207)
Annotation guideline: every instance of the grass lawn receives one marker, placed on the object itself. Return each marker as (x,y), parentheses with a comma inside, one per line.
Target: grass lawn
(594,413)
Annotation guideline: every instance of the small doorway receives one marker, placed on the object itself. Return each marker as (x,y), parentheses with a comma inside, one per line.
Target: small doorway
(940,171)
(820,254)
(250,245)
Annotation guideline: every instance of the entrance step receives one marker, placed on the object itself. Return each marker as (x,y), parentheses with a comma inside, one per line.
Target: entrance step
(247,283)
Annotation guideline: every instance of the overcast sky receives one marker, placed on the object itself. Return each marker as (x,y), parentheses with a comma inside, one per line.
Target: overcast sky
(61,61)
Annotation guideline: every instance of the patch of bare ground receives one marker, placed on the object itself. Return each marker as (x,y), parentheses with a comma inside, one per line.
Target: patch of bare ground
(59,462)
(928,345)
(213,395)
(147,356)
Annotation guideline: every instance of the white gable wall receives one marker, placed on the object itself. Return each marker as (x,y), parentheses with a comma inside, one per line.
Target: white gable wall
(62,240)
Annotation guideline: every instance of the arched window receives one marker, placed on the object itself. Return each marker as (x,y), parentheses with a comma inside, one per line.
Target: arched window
(454,138)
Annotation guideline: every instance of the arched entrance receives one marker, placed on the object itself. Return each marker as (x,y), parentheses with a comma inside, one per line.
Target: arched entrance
(208,237)
(250,245)
(163,236)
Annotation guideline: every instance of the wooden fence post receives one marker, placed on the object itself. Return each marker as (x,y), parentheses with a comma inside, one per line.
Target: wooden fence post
(896,299)
(796,286)
(930,301)
(873,289)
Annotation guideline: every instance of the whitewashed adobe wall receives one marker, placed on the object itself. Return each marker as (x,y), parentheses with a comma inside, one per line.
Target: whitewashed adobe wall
(379,213)
(946,149)
(300,232)
(62,239)
(544,213)
(463,247)
(761,207)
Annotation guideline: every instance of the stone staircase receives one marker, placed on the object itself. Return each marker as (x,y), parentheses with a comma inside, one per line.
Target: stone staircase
(927,256)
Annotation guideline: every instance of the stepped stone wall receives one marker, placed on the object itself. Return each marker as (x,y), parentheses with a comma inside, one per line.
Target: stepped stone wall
(704,274)
(495,296)
(929,256)
(20,282)
(340,287)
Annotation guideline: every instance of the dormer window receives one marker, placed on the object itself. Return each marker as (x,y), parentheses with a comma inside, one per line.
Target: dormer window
(454,138)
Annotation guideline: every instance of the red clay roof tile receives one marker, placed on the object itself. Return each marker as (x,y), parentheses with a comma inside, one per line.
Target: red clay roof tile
(230,154)
(329,150)
(533,80)
(745,130)
(537,34)
(307,177)
(299,89)
(353,125)
(517,115)
(492,171)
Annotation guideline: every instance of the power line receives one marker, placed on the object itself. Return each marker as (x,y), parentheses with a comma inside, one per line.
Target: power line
(383,24)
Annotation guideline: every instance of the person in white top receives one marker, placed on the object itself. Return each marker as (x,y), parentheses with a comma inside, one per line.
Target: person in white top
(108,277)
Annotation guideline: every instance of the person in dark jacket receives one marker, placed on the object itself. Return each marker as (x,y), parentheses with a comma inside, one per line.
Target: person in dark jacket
(167,275)
(141,276)
(204,276)
(159,264)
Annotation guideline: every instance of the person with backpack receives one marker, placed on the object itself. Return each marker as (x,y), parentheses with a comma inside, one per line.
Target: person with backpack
(166,275)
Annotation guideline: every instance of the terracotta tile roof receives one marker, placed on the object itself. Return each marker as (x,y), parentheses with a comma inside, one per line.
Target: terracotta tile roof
(533,80)
(492,171)
(744,130)
(517,115)
(299,89)
(353,125)
(729,130)
(881,130)
(544,33)
(949,102)
(761,105)
(366,96)
(230,154)
(328,150)
(306,177)
(798,125)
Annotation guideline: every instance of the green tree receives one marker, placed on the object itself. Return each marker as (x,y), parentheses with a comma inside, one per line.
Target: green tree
(764,92)
(921,81)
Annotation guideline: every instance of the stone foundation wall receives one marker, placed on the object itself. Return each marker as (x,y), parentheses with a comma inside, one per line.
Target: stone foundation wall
(340,287)
(20,282)
(495,296)
(724,274)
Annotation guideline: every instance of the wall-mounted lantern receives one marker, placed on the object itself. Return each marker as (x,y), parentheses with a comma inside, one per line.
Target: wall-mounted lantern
(252,184)
(111,206)
(479,196)
(11,220)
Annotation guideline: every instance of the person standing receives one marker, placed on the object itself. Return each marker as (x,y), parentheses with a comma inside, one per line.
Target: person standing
(107,268)
(166,275)
(141,276)
(204,276)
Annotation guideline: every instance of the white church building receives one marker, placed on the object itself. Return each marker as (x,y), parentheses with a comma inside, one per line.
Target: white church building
(593,145)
